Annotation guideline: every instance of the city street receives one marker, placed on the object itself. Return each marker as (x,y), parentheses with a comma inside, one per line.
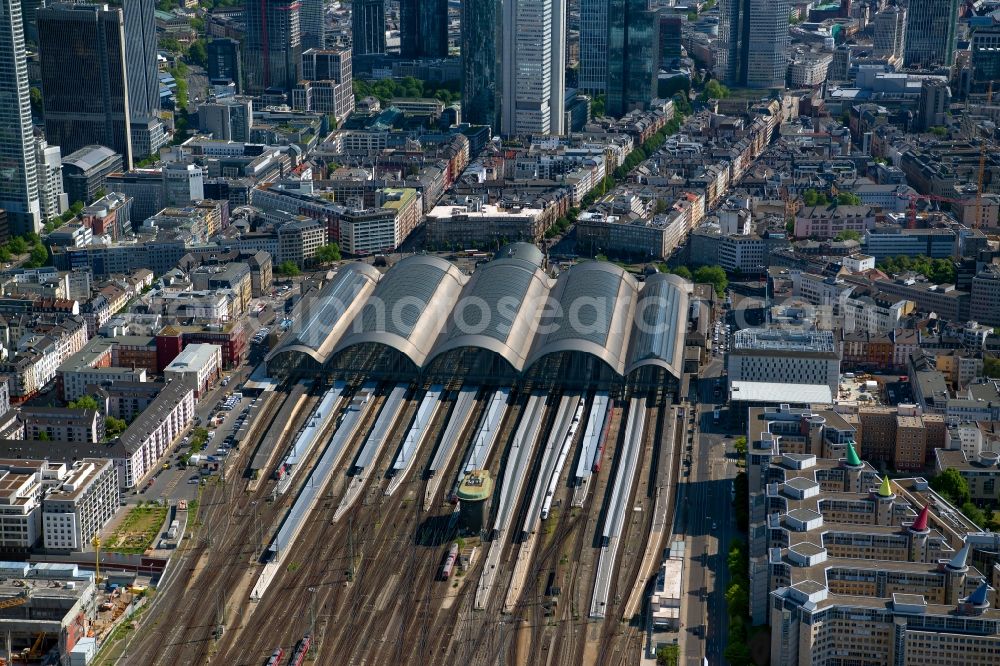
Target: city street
(708,525)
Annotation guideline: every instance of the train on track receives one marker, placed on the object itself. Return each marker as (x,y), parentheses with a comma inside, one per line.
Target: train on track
(550,491)
(276,657)
(449,562)
(301,650)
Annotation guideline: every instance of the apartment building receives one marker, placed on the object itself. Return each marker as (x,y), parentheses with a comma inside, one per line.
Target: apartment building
(21,492)
(63,424)
(153,432)
(199,366)
(79,505)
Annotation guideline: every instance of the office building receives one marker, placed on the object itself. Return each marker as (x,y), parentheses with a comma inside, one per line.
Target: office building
(534,67)
(670,37)
(63,424)
(633,55)
(80,43)
(986,57)
(753,43)
(368,26)
(889,31)
(199,366)
(930,33)
(272,46)
(852,567)
(423,28)
(328,82)
(228,119)
(932,108)
(481,62)
(48,160)
(140,59)
(182,183)
(783,355)
(224,64)
(984,305)
(19,186)
(593,46)
(80,505)
(312,24)
(85,172)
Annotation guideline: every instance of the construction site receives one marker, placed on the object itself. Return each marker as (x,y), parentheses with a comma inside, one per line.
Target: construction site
(442,491)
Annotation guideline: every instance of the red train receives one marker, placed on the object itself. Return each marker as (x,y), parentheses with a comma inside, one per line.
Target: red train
(301,650)
(449,562)
(276,657)
(604,440)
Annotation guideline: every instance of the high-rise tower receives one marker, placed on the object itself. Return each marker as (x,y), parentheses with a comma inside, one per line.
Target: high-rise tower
(753,43)
(368,26)
(930,33)
(273,45)
(481,61)
(594,45)
(423,28)
(85,91)
(534,67)
(18,177)
(633,55)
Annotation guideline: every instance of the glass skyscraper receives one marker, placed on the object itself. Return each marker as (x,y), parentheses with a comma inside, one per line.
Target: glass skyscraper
(273,45)
(84,85)
(368,26)
(18,177)
(481,62)
(313,24)
(930,33)
(593,45)
(423,28)
(753,43)
(633,55)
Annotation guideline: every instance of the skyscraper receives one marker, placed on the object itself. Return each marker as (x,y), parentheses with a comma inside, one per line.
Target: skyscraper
(18,177)
(930,33)
(593,45)
(313,24)
(224,63)
(48,160)
(481,62)
(273,45)
(633,55)
(534,67)
(985,57)
(423,28)
(368,26)
(84,86)
(888,33)
(140,58)
(753,43)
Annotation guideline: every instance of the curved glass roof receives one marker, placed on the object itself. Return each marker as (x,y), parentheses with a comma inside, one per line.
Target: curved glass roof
(660,324)
(498,310)
(320,318)
(408,308)
(590,311)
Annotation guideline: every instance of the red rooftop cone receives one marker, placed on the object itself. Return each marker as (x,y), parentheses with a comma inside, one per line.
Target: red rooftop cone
(920,524)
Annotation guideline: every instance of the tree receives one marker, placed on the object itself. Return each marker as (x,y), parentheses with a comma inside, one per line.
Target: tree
(740,444)
(953,486)
(114,426)
(937,130)
(813,198)
(37,109)
(668,655)
(327,254)
(83,402)
(991,367)
(713,275)
(288,269)
(44,436)
(974,513)
(17,245)
(197,54)
(39,257)
(848,199)
(682,271)
(847,234)
(598,106)
(738,599)
(738,653)
(714,90)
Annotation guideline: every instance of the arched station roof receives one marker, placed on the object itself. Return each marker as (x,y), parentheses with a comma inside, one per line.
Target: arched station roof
(589,310)
(498,310)
(408,308)
(660,324)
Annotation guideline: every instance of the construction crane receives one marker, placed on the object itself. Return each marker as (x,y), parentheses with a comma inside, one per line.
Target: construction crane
(19,600)
(911,213)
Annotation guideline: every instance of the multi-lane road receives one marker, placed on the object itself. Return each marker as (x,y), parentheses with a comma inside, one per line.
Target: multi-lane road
(708,525)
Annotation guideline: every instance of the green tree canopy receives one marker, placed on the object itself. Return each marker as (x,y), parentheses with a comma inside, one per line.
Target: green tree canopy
(114,426)
(813,198)
(714,275)
(288,269)
(848,199)
(83,402)
(682,271)
(847,234)
(328,253)
(952,486)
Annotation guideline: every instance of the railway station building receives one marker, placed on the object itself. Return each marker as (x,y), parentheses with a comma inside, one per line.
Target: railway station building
(508,324)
